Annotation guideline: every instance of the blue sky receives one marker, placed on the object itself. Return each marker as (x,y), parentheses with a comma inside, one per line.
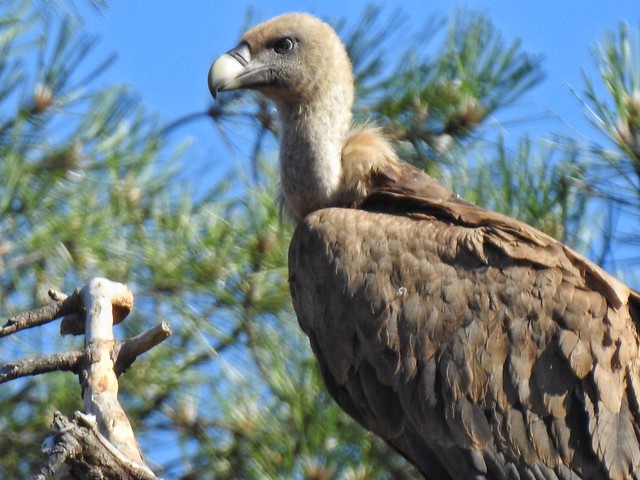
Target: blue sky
(164,48)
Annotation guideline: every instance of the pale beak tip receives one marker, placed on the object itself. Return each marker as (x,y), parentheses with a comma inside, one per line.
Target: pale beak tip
(224,73)
(214,84)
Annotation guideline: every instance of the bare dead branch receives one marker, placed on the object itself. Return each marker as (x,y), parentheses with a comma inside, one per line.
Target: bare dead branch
(42,315)
(68,306)
(74,323)
(67,361)
(59,448)
(100,443)
(57,296)
(79,445)
(99,381)
(127,351)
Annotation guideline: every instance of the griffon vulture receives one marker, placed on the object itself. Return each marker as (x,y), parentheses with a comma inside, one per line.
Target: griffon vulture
(476,345)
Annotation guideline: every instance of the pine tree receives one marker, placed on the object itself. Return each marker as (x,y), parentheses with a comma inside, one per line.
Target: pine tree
(90,187)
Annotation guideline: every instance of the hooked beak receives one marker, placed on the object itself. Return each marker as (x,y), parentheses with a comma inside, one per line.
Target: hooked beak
(233,70)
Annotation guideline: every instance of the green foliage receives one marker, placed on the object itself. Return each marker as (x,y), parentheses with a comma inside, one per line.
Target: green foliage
(432,104)
(618,115)
(89,187)
(612,102)
(618,61)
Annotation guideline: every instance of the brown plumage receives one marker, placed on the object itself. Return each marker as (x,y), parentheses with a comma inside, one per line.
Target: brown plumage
(476,345)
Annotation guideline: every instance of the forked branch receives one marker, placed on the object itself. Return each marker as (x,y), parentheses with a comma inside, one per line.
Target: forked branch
(99,442)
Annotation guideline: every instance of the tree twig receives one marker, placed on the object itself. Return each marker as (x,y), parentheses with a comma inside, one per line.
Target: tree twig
(127,351)
(42,315)
(67,361)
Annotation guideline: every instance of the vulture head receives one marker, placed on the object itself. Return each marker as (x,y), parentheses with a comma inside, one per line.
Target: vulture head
(291,59)
(300,63)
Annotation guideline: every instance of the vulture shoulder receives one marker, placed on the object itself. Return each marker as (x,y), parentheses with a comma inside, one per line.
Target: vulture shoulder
(475,344)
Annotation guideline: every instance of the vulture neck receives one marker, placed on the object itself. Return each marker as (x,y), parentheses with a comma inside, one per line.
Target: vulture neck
(311,151)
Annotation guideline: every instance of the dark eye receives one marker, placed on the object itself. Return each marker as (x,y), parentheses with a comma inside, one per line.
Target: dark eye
(283,45)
